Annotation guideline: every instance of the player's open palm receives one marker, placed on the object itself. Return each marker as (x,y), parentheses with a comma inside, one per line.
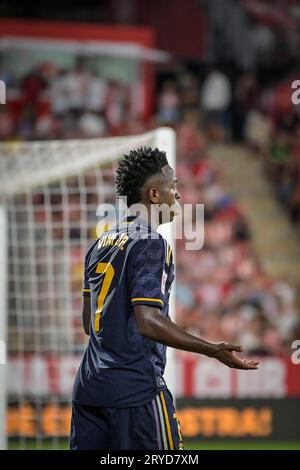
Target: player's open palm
(225,354)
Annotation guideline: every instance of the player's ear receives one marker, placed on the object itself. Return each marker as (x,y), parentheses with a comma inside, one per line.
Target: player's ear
(153,195)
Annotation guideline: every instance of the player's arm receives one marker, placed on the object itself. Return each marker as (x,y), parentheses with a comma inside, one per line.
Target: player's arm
(154,325)
(146,274)
(86,314)
(86,293)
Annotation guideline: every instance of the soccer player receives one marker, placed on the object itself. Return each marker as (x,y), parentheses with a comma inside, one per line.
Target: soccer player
(120,399)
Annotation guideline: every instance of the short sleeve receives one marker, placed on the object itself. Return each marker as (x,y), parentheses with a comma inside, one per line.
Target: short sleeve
(86,291)
(146,275)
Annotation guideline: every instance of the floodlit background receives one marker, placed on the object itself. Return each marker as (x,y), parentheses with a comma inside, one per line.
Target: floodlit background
(221,74)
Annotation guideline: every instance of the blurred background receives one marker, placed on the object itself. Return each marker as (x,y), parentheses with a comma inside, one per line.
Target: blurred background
(220,73)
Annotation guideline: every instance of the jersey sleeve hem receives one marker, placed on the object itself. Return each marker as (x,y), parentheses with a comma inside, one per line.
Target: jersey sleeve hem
(147,301)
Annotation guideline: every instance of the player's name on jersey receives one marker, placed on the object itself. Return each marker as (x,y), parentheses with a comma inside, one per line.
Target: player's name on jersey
(113,239)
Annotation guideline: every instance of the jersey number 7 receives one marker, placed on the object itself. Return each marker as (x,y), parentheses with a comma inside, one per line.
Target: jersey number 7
(109,272)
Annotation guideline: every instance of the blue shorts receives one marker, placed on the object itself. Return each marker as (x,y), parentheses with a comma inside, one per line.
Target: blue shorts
(153,426)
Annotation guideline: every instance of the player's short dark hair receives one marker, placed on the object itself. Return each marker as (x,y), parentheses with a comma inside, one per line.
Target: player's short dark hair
(135,168)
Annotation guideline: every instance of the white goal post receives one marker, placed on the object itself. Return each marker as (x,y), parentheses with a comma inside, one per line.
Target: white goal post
(49,192)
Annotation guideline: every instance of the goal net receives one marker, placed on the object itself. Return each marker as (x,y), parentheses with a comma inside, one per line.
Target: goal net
(49,194)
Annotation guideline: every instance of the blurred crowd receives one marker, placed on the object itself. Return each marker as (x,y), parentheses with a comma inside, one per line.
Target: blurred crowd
(279,147)
(240,110)
(56,103)
(222,292)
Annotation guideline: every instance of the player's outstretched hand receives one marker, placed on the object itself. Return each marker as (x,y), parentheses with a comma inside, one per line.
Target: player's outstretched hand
(224,353)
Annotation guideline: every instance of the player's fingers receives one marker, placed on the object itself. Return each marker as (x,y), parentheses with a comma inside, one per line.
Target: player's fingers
(251,364)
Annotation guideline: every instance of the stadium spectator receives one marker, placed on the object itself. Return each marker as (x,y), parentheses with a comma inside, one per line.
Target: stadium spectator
(215,101)
(168,103)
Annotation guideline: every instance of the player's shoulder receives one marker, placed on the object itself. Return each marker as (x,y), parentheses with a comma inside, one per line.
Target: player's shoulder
(151,245)
(139,233)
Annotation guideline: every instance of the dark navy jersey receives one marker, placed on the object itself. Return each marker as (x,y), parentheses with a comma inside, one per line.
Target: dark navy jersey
(129,264)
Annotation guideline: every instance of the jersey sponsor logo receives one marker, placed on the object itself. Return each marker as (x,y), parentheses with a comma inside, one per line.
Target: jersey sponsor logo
(163,282)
